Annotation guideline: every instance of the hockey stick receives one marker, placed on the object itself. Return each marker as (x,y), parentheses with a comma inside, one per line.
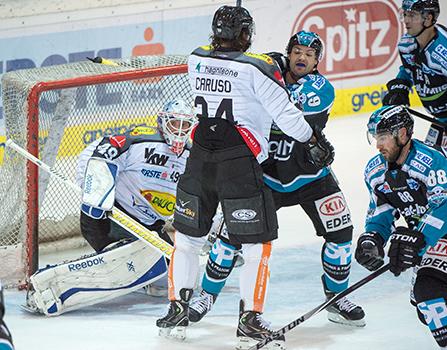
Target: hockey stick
(427,118)
(125,221)
(321,307)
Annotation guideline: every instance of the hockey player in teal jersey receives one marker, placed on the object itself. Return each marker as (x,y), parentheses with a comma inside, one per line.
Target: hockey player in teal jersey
(296,181)
(5,335)
(423,52)
(408,179)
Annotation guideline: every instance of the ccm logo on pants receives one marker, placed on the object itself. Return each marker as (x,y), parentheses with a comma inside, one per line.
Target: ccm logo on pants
(333,212)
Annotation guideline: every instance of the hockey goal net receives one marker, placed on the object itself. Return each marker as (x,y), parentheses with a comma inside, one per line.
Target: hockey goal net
(54,113)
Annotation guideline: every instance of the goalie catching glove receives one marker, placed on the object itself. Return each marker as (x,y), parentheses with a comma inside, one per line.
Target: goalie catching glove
(398,93)
(319,150)
(405,249)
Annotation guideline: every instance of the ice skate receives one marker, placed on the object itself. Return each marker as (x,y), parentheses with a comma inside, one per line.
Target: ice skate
(344,311)
(252,328)
(174,323)
(201,305)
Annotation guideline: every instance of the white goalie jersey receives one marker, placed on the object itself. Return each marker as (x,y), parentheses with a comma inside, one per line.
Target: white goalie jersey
(147,172)
(145,175)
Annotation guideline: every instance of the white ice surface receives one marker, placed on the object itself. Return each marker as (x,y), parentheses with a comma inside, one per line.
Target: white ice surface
(129,322)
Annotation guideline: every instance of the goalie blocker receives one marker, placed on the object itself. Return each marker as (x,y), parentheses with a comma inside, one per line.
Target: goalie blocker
(118,270)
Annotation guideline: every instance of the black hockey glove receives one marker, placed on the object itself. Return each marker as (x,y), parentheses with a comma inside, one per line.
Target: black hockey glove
(320,151)
(404,250)
(369,252)
(281,60)
(398,93)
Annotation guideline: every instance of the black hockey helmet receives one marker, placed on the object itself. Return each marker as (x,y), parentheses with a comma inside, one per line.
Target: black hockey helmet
(390,119)
(309,39)
(230,21)
(422,6)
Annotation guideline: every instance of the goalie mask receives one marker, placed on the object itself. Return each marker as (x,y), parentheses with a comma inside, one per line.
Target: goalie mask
(176,122)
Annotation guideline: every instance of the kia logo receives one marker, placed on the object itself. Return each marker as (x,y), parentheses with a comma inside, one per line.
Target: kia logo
(333,206)
(243,214)
(360,37)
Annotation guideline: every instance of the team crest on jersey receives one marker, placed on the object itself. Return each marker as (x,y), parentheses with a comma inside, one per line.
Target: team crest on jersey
(413,184)
(162,202)
(385,188)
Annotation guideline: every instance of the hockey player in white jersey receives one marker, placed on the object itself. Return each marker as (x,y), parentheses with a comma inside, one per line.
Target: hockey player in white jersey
(237,95)
(136,172)
(295,181)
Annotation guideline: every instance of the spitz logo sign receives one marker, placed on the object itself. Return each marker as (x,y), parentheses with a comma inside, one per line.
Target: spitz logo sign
(360,37)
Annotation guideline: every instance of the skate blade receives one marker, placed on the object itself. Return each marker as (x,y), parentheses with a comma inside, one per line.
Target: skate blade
(175,333)
(31,309)
(246,343)
(336,318)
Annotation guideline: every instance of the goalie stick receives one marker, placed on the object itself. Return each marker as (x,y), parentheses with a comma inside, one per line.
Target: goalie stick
(320,307)
(125,221)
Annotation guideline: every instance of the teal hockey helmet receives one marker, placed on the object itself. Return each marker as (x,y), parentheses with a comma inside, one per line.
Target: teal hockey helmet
(422,6)
(309,39)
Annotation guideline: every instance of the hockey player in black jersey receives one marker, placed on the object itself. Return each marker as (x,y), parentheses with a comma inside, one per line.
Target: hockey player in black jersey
(296,181)
(408,179)
(423,52)
(237,95)
(5,335)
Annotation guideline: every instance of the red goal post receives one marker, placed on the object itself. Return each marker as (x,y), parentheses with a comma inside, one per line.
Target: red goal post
(54,113)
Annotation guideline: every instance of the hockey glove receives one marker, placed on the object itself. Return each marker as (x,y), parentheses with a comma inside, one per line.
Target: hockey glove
(369,252)
(320,151)
(281,60)
(404,250)
(398,93)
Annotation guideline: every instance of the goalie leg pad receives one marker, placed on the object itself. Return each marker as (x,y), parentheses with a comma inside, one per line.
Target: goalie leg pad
(117,271)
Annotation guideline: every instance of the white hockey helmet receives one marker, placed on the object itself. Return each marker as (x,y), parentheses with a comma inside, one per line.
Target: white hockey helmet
(176,122)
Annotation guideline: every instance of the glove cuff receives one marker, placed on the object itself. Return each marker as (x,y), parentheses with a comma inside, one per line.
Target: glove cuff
(399,84)
(374,236)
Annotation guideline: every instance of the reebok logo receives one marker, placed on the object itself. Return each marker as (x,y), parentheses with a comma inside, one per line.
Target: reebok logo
(86,264)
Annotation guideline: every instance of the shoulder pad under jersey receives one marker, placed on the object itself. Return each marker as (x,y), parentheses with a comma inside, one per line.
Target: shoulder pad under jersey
(314,92)
(375,168)
(136,135)
(438,49)
(424,158)
(263,62)
(407,44)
